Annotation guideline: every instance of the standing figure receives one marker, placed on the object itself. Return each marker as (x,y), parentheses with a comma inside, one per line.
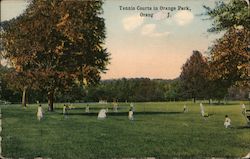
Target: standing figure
(243,109)
(39,112)
(132,107)
(227,122)
(87,109)
(185,109)
(64,110)
(130,114)
(202,109)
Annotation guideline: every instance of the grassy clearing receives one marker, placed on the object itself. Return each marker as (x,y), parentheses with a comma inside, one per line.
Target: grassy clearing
(160,130)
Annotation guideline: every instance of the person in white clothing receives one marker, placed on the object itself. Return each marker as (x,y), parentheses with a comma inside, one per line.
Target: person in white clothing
(87,109)
(39,112)
(185,109)
(227,122)
(131,114)
(102,114)
(202,109)
(243,109)
(65,110)
(132,107)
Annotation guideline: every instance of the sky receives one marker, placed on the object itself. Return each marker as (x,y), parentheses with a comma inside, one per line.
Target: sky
(146,38)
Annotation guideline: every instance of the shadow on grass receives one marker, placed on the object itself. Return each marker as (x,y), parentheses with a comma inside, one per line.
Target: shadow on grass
(124,113)
(96,108)
(220,104)
(243,127)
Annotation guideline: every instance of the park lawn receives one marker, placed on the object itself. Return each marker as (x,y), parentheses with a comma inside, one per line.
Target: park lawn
(159,130)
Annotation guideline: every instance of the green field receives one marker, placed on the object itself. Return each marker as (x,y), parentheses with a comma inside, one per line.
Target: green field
(159,130)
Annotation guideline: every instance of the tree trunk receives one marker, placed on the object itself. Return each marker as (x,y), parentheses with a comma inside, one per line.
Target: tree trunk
(24,98)
(194,100)
(51,100)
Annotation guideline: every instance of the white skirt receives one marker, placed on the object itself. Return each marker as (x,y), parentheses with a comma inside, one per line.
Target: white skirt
(130,115)
(39,113)
(227,124)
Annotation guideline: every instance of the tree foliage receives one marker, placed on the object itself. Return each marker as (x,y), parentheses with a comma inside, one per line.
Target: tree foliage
(6,93)
(60,42)
(230,57)
(230,54)
(134,90)
(226,15)
(194,76)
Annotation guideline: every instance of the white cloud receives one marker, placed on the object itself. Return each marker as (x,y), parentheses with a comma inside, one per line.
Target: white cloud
(150,30)
(183,17)
(132,22)
(160,15)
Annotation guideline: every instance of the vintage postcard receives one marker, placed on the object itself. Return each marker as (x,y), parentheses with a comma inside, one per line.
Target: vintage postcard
(125,79)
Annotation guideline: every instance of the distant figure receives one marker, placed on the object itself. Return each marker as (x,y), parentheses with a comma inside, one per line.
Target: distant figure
(203,111)
(227,122)
(65,110)
(243,109)
(87,109)
(39,112)
(102,114)
(132,107)
(130,114)
(71,106)
(185,109)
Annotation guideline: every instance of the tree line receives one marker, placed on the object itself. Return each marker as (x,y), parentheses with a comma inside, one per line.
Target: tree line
(126,90)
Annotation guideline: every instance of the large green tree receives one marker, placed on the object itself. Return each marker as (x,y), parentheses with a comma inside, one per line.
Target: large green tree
(194,76)
(60,42)
(230,57)
(230,54)
(229,14)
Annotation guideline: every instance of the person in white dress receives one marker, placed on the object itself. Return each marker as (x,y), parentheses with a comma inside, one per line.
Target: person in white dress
(243,109)
(102,114)
(132,107)
(131,114)
(185,109)
(87,109)
(39,112)
(65,110)
(202,109)
(227,122)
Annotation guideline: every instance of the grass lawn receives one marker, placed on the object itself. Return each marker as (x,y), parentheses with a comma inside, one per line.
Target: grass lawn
(159,130)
